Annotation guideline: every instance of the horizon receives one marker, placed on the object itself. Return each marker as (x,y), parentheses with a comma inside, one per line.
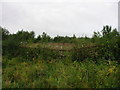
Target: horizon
(61,35)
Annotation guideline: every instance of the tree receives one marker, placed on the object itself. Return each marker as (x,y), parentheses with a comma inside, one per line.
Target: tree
(38,39)
(96,35)
(4,32)
(106,30)
(45,37)
(25,36)
(74,37)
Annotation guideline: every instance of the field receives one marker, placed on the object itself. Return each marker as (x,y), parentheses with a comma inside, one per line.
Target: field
(60,73)
(61,62)
(54,46)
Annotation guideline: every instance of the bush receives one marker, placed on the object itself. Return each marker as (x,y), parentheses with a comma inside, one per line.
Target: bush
(62,74)
(85,52)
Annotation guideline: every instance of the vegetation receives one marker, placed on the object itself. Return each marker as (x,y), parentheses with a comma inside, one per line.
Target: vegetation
(60,74)
(61,62)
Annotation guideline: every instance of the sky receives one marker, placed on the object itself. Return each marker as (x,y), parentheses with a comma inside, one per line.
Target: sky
(58,17)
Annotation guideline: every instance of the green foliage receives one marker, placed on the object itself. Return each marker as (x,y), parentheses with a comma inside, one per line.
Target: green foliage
(109,39)
(30,62)
(10,46)
(24,36)
(61,74)
(106,30)
(45,37)
(83,52)
(4,32)
(62,39)
(38,39)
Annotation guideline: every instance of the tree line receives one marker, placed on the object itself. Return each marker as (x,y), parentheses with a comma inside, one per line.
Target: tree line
(107,42)
(29,37)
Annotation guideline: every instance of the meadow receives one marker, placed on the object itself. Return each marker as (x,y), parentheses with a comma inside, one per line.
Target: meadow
(61,74)
(61,62)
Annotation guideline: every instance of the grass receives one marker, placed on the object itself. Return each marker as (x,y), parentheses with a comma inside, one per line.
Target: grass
(56,46)
(82,63)
(60,74)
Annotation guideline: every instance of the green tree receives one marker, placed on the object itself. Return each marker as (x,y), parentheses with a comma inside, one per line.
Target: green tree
(45,37)
(38,39)
(4,32)
(25,36)
(106,30)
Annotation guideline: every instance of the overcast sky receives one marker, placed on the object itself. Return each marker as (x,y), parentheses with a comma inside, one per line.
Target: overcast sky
(58,17)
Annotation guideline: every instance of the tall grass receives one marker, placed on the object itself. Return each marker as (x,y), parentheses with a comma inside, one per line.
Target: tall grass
(60,74)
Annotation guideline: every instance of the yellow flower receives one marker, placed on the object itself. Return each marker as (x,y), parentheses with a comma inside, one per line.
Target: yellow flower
(111,69)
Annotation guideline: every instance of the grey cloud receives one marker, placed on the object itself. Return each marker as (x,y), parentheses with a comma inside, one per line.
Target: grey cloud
(59,18)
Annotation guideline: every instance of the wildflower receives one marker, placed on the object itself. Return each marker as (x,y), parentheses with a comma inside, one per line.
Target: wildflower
(110,70)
